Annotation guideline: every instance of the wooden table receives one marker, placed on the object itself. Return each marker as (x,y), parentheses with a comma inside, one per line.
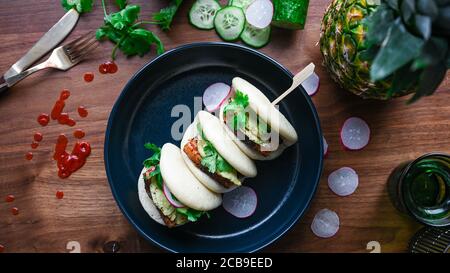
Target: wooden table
(88,213)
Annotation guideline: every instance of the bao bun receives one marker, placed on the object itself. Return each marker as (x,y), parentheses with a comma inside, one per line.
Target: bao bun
(214,131)
(181,183)
(268,113)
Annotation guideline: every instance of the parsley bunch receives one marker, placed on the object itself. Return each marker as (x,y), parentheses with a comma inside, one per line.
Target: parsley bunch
(165,16)
(237,108)
(153,161)
(123,29)
(81,6)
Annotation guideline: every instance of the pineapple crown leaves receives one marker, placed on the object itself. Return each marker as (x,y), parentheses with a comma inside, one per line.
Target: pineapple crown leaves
(408,41)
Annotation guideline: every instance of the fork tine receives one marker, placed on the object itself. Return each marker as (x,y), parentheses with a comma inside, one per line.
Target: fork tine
(77,41)
(82,50)
(86,51)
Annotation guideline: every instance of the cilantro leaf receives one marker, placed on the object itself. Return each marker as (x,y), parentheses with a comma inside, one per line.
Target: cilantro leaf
(213,160)
(192,214)
(81,6)
(123,29)
(165,16)
(153,161)
(237,109)
(121,3)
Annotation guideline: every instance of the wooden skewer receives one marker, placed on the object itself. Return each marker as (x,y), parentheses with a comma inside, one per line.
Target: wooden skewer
(298,79)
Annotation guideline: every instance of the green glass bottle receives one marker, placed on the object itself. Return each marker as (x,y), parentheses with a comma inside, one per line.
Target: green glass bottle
(421,188)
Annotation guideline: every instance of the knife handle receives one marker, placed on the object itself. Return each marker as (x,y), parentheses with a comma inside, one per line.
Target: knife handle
(3,86)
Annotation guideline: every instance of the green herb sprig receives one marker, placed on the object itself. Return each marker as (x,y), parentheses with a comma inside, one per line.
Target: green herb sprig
(165,16)
(237,108)
(153,161)
(81,6)
(123,29)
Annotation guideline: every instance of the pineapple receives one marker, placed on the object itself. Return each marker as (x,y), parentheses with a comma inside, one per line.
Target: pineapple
(348,55)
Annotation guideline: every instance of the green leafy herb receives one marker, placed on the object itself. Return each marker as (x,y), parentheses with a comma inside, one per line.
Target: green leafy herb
(81,6)
(237,109)
(153,161)
(213,160)
(123,29)
(121,3)
(192,214)
(165,16)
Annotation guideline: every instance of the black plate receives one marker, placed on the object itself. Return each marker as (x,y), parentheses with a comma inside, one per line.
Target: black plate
(142,113)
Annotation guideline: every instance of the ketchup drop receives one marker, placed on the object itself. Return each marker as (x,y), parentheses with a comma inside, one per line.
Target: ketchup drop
(38,137)
(43,119)
(82,111)
(15,211)
(108,67)
(78,133)
(2,248)
(34,145)
(59,194)
(10,198)
(29,155)
(70,163)
(88,76)
(111,67)
(65,94)
(103,68)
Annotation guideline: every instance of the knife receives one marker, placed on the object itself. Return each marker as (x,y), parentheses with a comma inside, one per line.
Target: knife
(50,40)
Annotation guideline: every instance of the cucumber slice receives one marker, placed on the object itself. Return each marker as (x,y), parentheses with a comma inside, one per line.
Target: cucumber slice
(203,12)
(255,37)
(243,4)
(229,23)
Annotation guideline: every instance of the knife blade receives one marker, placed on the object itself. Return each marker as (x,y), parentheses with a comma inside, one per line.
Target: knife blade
(50,40)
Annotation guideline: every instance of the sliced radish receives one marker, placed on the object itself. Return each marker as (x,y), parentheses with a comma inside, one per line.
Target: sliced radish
(259,13)
(215,95)
(240,202)
(172,200)
(343,181)
(311,84)
(325,223)
(325,146)
(355,134)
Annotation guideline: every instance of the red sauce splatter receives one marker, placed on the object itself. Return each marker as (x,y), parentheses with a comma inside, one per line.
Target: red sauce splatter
(15,211)
(43,119)
(88,76)
(10,198)
(57,109)
(82,111)
(63,118)
(59,194)
(29,155)
(103,68)
(38,137)
(71,122)
(112,67)
(78,133)
(70,163)
(34,145)
(108,67)
(65,94)
(2,248)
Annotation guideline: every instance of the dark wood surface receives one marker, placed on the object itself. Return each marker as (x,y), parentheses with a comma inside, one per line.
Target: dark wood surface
(88,213)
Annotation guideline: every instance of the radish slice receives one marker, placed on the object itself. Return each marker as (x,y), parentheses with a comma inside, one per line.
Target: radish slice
(343,181)
(325,146)
(171,198)
(355,134)
(215,95)
(325,223)
(311,84)
(240,202)
(259,13)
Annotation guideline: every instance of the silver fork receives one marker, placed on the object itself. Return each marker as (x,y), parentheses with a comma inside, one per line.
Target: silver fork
(62,58)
